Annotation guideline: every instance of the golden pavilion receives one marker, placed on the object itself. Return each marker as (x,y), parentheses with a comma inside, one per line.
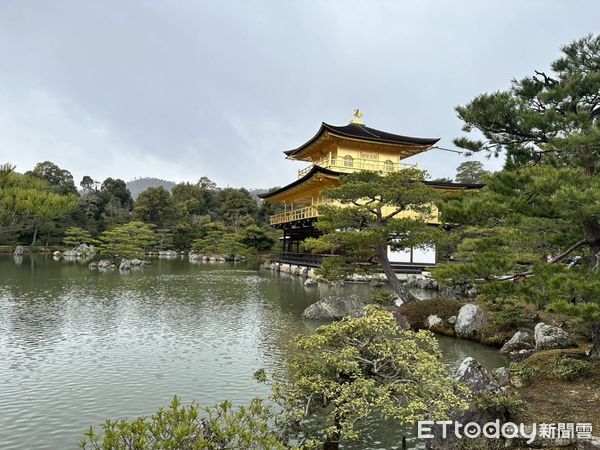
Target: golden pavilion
(331,152)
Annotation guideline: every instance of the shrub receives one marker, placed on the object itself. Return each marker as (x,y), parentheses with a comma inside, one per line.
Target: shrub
(189,427)
(417,312)
(524,372)
(511,319)
(384,298)
(504,405)
(569,368)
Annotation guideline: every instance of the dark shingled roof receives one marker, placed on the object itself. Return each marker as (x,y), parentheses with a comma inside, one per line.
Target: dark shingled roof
(314,170)
(364,133)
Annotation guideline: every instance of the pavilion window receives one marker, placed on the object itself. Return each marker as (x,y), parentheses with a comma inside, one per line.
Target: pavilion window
(388,166)
(348,161)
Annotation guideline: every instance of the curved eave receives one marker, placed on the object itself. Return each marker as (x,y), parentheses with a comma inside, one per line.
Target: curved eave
(311,173)
(364,134)
(451,185)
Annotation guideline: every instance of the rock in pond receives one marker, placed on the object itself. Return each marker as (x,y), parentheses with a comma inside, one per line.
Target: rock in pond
(477,377)
(310,282)
(135,262)
(470,320)
(125,264)
(93,265)
(334,308)
(432,321)
(18,250)
(104,263)
(521,340)
(549,337)
(479,380)
(56,254)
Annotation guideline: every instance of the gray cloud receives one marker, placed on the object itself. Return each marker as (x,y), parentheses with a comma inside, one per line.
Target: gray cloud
(183,89)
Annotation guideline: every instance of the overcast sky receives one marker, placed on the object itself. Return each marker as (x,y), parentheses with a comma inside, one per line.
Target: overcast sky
(184,89)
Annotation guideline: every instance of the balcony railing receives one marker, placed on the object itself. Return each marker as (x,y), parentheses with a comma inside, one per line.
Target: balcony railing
(345,164)
(302,259)
(295,214)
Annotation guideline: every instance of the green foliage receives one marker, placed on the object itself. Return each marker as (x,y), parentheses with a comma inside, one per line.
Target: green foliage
(220,242)
(358,368)
(525,373)
(569,368)
(155,206)
(236,207)
(27,203)
(75,236)
(372,211)
(190,427)
(131,239)
(115,188)
(257,238)
(470,172)
(517,233)
(511,318)
(383,297)
(505,404)
(548,117)
(59,181)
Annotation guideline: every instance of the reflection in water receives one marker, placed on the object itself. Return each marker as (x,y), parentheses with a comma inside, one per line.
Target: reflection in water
(79,346)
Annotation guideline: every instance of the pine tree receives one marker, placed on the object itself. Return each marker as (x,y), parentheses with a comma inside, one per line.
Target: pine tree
(392,210)
(544,209)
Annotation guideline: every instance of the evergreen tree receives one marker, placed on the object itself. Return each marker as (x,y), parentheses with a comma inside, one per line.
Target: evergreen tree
(155,206)
(75,236)
(59,180)
(544,210)
(394,210)
(131,239)
(359,368)
(470,172)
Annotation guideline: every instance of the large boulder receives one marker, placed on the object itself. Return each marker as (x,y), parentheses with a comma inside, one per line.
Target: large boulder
(548,337)
(334,308)
(521,340)
(472,374)
(19,250)
(135,262)
(470,319)
(125,265)
(401,320)
(476,377)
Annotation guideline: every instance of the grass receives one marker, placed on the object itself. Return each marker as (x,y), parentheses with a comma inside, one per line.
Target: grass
(561,386)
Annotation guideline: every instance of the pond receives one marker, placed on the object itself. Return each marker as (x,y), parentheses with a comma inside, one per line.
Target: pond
(78,346)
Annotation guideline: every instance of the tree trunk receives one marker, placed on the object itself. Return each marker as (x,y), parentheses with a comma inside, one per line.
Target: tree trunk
(35,232)
(591,229)
(594,352)
(395,283)
(333,442)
